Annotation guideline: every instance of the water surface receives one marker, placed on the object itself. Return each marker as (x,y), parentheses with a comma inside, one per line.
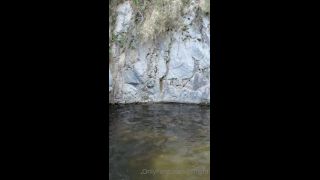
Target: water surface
(159,142)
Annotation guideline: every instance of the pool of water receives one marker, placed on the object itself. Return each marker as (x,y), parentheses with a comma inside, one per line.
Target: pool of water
(159,142)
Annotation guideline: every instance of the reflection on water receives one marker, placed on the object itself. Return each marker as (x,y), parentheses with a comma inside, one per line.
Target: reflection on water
(159,142)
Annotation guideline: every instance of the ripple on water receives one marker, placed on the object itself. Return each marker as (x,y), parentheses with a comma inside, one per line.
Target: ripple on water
(159,141)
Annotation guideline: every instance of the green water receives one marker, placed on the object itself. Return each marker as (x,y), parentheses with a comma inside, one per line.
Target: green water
(159,142)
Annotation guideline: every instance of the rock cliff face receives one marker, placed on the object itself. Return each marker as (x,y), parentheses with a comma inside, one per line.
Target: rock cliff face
(173,66)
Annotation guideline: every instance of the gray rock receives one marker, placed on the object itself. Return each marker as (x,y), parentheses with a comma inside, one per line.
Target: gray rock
(131,77)
(173,68)
(124,12)
(110,81)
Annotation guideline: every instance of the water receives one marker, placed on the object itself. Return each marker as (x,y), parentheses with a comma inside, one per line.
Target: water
(159,142)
